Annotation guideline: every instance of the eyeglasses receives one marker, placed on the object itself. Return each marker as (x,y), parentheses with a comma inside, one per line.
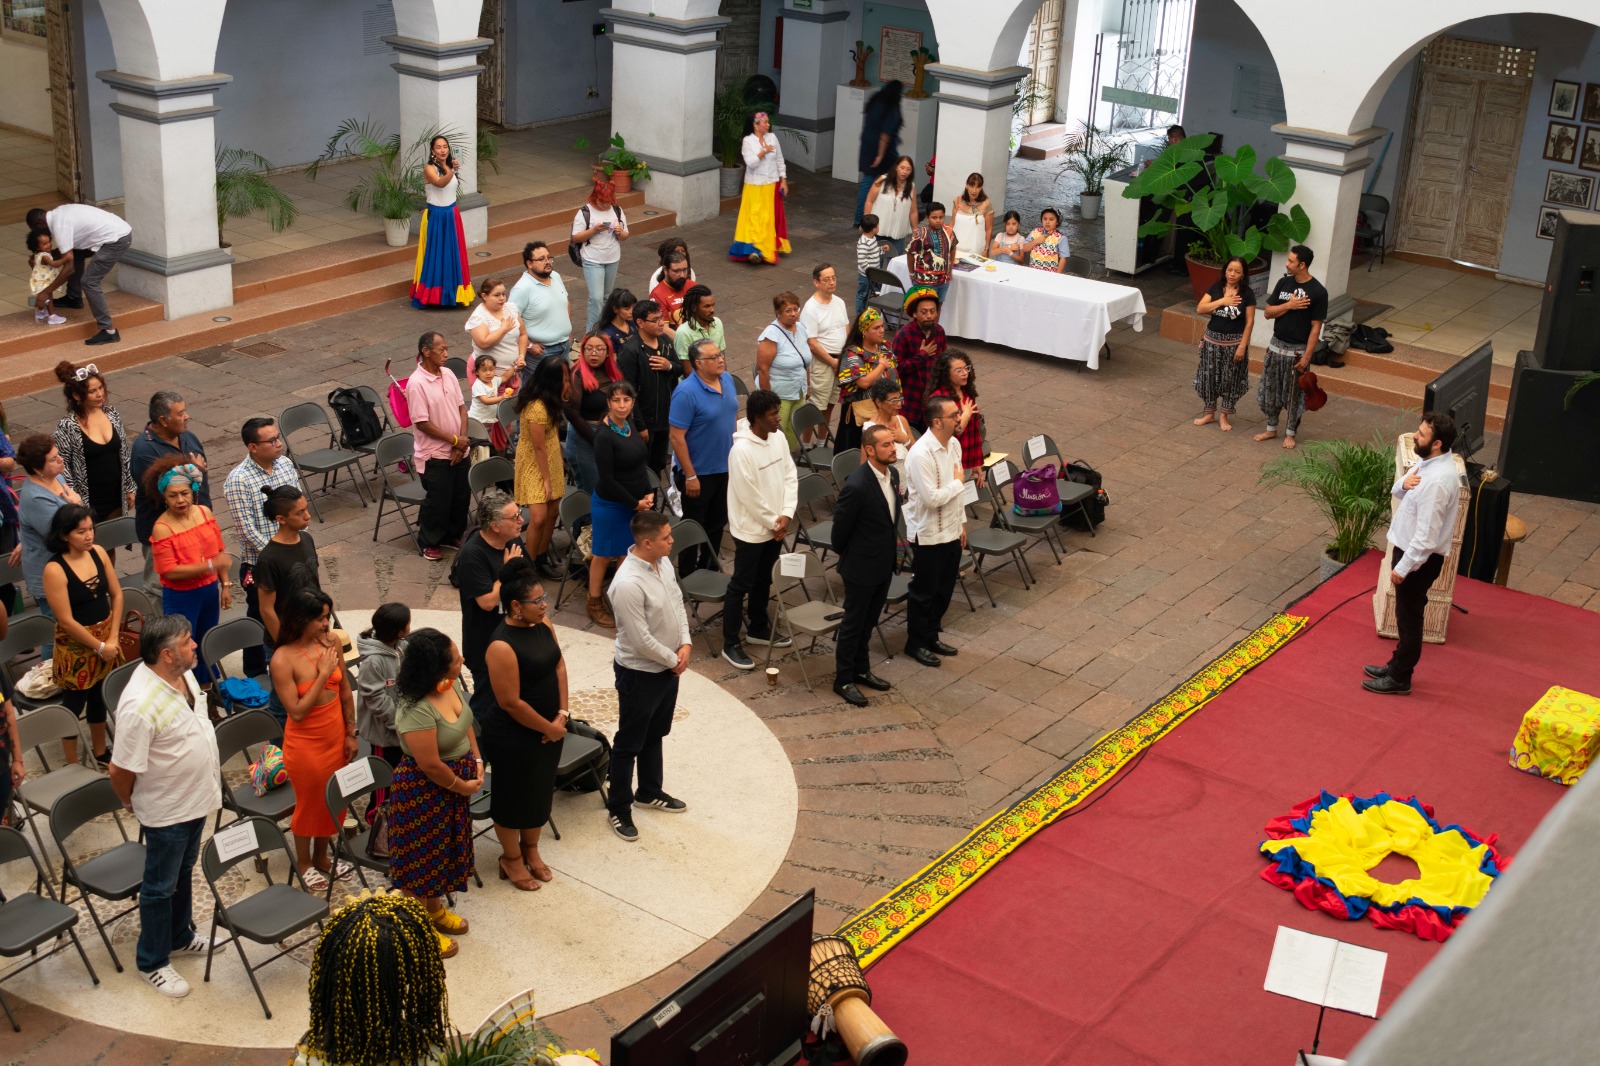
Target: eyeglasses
(538,601)
(84,372)
(270,440)
(515,516)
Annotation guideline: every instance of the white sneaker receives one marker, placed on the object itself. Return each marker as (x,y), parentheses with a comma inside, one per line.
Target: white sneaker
(198,946)
(39,316)
(56,320)
(168,982)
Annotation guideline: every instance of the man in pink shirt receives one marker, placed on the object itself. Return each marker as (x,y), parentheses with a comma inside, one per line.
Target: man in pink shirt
(439,446)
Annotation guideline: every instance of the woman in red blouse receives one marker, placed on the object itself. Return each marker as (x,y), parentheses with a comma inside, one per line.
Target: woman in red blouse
(189,555)
(954,379)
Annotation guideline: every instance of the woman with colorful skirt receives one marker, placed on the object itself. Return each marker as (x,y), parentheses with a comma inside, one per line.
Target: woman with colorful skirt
(430,801)
(761,234)
(441,278)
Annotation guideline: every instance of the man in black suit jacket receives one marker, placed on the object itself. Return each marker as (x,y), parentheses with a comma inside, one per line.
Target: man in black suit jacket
(864,535)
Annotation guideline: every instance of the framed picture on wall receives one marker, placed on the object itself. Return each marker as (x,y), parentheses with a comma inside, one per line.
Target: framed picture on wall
(1548,217)
(1561,143)
(1591,102)
(1589,157)
(1564,99)
(1568,190)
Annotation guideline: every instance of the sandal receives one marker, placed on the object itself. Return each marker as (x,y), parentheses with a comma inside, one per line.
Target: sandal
(315,880)
(525,883)
(446,920)
(342,871)
(538,869)
(447,947)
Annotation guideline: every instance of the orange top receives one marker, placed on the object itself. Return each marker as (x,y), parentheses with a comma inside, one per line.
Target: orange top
(196,544)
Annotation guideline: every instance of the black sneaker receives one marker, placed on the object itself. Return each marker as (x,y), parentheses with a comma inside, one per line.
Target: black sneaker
(622,825)
(776,642)
(735,656)
(105,336)
(663,802)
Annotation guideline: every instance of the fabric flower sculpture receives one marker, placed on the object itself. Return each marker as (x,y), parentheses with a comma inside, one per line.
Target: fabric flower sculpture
(1323,849)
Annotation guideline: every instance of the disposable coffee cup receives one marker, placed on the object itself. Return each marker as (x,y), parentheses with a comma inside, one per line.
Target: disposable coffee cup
(772,676)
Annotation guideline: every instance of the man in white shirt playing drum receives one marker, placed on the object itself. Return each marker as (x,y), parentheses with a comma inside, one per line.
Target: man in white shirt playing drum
(165,772)
(1420,532)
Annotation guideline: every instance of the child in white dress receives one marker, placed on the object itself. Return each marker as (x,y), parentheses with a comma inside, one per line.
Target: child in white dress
(42,279)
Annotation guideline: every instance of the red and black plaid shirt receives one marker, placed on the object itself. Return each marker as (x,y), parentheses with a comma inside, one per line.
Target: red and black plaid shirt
(916,365)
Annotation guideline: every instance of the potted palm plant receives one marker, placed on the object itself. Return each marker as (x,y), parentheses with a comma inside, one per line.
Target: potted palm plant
(1212,206)
(243,189)
(728,111)
(1094,154)
(393,188)
(1349,483)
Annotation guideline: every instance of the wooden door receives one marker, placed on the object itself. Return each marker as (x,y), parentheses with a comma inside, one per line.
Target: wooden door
(1466,131)
(63,98)
(1045,59)
(492,79)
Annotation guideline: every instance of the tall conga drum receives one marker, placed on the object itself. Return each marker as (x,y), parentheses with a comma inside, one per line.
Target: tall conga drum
(837,984)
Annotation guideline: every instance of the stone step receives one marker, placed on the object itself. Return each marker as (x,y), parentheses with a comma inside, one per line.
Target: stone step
(292,296)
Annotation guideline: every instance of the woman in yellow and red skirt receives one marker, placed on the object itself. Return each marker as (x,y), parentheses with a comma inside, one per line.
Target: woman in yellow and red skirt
(761,234)
(441,277)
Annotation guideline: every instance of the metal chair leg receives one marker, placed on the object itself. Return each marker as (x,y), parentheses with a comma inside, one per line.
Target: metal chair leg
(552,820)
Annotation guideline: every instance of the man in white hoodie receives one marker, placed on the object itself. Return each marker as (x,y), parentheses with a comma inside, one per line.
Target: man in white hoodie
(762,496)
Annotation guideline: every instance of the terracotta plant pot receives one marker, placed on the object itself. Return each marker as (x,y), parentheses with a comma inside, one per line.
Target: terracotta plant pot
(621,182)
(1202,276)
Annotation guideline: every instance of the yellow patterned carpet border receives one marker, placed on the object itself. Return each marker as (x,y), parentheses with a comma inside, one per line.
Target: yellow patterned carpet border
(904,910)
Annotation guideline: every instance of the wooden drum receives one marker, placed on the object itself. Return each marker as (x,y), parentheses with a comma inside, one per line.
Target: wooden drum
(837,983)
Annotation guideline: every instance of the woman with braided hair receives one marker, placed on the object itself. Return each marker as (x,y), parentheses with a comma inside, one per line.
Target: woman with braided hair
(377,988)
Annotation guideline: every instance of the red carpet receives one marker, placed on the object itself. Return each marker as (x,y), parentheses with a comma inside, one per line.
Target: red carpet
(1137,930)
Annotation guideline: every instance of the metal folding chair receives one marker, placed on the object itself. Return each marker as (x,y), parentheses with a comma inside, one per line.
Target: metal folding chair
(113,875)
(810,618)
(327,461)
(357,849)
(698,586)
(402,492)
(29,920)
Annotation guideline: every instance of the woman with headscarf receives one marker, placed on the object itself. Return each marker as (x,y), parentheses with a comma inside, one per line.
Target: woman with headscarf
(761,235)
(865,361)
(442,277)
(189,555)
(598,228)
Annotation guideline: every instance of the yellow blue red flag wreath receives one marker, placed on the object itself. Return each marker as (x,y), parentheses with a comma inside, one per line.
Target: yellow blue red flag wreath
(1323,849)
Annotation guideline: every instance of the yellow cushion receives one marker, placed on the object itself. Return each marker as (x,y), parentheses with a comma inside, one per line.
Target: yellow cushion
(1559,737)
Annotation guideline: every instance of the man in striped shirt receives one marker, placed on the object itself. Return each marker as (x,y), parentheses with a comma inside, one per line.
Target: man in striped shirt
(266,468)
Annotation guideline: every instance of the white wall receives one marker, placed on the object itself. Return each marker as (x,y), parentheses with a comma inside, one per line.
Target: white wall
(24,77)
(1224,37)
(552,57)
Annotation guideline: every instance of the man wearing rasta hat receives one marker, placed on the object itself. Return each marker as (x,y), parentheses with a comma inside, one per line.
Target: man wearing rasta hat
(916,346)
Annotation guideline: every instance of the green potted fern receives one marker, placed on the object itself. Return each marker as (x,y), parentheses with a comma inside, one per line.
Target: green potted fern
(1094,154)
(1349,483)
(243,189)
(393,188)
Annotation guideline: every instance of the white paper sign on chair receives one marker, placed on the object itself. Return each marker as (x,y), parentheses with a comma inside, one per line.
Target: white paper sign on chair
(236,840)
(1002,474)
(355,777)
(1036,445)
(792,564)
(969,493)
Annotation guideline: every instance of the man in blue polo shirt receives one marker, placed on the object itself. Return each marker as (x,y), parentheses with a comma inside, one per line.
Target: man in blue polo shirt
(167,433)
(705,410)
(541,299)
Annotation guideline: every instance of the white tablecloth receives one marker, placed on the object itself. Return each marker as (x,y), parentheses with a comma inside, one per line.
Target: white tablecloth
(1054,314)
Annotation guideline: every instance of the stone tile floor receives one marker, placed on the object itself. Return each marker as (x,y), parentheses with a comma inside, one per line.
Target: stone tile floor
(1192,556)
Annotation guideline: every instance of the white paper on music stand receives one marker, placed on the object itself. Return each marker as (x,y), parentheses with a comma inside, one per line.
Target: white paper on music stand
(1327,972)
(792,564)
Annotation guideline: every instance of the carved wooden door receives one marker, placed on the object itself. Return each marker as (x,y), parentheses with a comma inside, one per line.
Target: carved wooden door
(63,98)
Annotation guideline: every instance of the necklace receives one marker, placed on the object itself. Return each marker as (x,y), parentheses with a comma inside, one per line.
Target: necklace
(624,430)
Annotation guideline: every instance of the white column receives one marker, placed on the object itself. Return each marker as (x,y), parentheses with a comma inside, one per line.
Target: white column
(662,85)
(1330,170)
(814,48)
(168,143)
(439,92)
(974,128)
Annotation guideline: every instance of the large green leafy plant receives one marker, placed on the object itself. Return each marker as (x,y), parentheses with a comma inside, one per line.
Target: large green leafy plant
(1216,205)
(393,187)
(1349,482)
(243,188)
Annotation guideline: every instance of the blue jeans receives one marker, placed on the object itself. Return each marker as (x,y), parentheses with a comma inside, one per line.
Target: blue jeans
(863,293)
(897,248)
(599,277)
(941,290)
(864,187)
(166,898)
(202,607)
(581,468)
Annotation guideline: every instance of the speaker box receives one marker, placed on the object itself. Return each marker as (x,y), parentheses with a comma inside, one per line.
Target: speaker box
(1546,448)
(1569,320)
(1488,505)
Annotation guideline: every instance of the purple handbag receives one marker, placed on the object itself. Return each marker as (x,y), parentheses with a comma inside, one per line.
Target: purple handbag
(1034,492)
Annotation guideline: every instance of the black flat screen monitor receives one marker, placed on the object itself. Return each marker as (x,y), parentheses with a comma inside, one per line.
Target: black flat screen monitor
(1462,392)
(746,1009)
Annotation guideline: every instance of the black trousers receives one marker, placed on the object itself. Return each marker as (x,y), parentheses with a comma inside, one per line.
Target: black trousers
(660,449)
(255,658)
(710,509)
(752,582)
(1410,603)
(862,606)
(848,435)
(934,570)
(443,514)
(645,703)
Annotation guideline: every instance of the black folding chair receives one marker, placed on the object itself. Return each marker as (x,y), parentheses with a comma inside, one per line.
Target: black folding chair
(28,919)
(357,849)
(113,875)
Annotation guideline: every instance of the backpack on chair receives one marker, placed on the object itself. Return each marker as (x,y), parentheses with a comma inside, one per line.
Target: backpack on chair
(359,424)
(1084,474)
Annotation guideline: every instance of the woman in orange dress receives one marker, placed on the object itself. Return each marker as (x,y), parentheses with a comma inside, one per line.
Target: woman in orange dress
(320,734)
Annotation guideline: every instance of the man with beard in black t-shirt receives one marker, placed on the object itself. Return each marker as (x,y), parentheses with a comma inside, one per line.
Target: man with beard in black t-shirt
(1297,307)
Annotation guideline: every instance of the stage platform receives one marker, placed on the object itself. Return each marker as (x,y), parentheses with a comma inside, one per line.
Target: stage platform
(1136,929)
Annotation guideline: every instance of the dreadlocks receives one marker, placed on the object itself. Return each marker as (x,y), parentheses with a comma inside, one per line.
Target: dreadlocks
(377,985)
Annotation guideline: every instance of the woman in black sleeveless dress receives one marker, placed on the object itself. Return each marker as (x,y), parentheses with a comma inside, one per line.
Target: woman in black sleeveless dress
(522,719)
(82,589)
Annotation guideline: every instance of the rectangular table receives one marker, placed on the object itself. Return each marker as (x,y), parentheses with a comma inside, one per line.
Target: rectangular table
(1035,311)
